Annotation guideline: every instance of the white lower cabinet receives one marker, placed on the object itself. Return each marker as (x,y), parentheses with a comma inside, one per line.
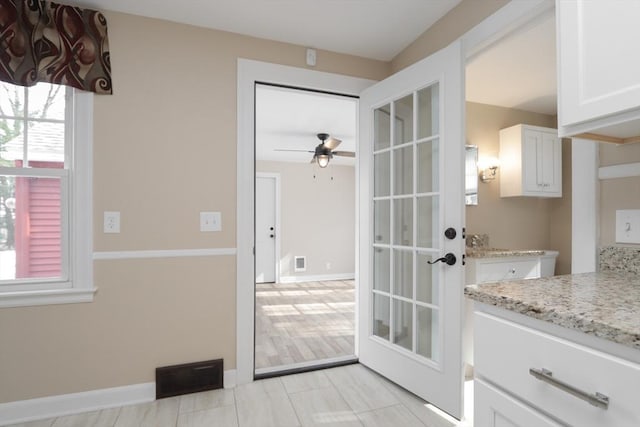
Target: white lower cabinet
(532,373)
(494,408)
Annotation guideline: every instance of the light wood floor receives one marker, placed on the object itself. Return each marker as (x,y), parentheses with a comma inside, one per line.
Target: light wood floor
(302,322)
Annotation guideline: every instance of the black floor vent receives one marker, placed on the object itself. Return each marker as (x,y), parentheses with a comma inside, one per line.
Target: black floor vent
(189,378)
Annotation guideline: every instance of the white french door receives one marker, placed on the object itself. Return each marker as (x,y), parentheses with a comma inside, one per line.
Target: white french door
(411,180)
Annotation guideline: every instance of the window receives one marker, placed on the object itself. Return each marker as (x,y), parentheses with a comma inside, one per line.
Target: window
(45,195)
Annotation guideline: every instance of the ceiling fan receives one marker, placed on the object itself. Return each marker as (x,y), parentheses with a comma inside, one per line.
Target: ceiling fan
(325,150)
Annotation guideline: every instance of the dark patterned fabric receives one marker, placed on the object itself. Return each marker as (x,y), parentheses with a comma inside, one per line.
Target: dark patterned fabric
(49,42)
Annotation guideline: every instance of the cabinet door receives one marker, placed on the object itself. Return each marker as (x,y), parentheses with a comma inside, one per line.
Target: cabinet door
(550,163)
(493,408)
(531,168)
(598,73)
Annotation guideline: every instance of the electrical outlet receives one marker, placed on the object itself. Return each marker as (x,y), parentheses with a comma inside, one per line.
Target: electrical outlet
(210,221)
(328,266)
(111,222)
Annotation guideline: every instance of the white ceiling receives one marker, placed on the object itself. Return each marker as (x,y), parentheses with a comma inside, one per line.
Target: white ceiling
(290,119)
(377,29)
(519,71)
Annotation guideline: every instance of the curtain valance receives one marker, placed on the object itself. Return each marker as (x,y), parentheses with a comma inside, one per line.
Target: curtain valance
(48,42)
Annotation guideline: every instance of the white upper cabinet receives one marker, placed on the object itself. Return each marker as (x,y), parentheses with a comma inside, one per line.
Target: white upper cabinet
(598,71)
(530,162)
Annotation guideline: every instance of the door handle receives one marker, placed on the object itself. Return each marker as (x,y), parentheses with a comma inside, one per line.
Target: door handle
(449,259)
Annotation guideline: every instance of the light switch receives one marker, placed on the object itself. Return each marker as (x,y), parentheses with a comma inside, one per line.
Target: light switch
(628,226)
(112,222)
(210,221)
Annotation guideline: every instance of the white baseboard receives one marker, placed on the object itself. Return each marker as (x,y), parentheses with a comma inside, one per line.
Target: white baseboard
(67,404)
(229,378)
(318,278)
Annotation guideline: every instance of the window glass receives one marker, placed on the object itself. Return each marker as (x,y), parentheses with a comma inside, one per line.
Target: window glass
(33,140)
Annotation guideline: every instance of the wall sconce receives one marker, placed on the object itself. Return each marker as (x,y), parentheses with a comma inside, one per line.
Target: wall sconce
(488,167)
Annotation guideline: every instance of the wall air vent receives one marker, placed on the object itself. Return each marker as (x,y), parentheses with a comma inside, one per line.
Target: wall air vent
(299,263)
(189,378)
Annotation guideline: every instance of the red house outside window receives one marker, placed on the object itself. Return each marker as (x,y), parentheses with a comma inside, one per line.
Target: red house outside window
(33,180)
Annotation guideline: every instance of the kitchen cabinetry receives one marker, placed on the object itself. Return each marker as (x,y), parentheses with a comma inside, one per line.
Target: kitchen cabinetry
(581,386)
(598,77)
(530,162)
(493,269)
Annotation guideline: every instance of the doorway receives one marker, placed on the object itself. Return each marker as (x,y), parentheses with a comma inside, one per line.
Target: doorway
(305,221)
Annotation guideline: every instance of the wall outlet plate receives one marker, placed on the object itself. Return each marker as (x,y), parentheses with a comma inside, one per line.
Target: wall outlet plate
(111,222)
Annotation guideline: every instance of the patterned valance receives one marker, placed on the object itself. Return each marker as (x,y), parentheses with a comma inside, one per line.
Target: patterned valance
(48,42)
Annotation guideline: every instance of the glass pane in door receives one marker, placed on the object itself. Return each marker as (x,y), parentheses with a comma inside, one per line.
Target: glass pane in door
(403,273)
(403,123)
(406,220)
(403,324)
(403,170)
(428,111)
(381,316)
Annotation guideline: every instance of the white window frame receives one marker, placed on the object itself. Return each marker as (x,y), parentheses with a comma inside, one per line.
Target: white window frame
(76,284)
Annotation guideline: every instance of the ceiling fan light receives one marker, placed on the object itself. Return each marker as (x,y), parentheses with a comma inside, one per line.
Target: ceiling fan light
(323,160)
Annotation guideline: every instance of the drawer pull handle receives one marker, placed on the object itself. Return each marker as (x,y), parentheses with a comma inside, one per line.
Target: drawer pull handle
(598,399)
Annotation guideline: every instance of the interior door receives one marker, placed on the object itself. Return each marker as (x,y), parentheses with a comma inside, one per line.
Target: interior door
(265,229)
(411,178)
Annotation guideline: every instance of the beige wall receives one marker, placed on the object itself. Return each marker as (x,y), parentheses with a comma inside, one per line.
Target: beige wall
(466,15)
(620,193)
(318,216)
(514,222)
(560,215)
(164,150)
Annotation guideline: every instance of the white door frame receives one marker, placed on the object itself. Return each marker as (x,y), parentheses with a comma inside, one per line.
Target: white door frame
(250,72)
(276,178)
(507,19)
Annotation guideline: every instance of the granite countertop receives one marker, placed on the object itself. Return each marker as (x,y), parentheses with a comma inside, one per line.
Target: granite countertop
(481,252)
(605,304)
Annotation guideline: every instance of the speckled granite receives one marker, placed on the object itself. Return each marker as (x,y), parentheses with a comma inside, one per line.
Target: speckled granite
(477,240)
(605,304)
(499,253)
(614,258)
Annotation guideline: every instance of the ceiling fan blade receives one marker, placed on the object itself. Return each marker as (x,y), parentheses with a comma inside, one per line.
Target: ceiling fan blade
(332,143)
(344,153)
(298,151)
(313,159)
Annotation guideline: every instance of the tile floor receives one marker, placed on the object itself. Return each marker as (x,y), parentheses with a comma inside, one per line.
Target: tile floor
(346,396)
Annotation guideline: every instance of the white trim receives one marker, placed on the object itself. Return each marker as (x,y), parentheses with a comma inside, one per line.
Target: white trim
(24,411)
(46,297)
(229,378)
(584,206)
(619,171)
(169,253)
(77,224)
(317,278)
(67,404)
(250,72)
(507,19)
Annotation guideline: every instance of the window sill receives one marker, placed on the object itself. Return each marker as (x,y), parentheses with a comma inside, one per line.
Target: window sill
(46,297)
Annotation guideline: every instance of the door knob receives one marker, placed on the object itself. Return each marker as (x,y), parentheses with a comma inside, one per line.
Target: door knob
(450,233)
(449,259)
(271,235)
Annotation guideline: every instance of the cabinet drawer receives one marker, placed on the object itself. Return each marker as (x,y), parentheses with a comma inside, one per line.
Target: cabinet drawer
(493,408)
(505,351)
(510,269)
